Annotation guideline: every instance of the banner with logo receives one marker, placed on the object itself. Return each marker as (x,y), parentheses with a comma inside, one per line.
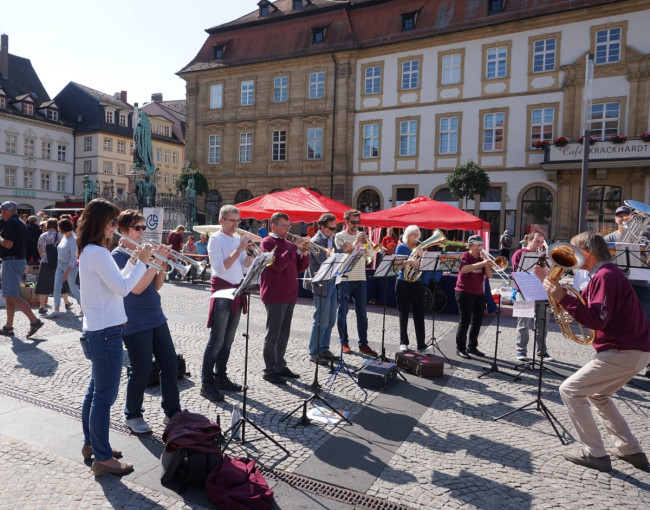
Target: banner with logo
(153,219)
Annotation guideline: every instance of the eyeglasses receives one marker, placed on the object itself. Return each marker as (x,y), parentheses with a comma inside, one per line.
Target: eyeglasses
(288,225)
(113,222)
(139,228)
(235,221)
(354,222)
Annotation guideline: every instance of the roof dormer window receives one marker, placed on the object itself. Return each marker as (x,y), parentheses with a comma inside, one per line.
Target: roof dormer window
(297,5)
(28,108)
(496,6)
(408,21)
(218,51)
(318,35)
(52,114)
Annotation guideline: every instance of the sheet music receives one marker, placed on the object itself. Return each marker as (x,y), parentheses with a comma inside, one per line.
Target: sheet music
(429,261)
(335,260)
(351,261)
(387,266)
(527,262)
(530,286)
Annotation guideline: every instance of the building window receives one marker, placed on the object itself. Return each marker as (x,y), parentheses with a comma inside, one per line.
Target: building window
(61,150)
(497,62)
(410,74)
(108,144)
(372,79)
(88,143)
(121,169)
(10,178)
(28,179)
(88,167)
(408,21)
(448,135)
(218,51)
(121,146)
(108,167)
(247,93)
(544,55)
(264,10)
(297,4)
(29,147)
(370,141)
(451,68)
(493,132)
(318,35)
(10,144)
(605,118)
(279,146)
(110,118)
(46,150)
(315,143)
(368,201)
(60,183)
(216,96)
(608,46)
(536,210)
(280,89)
(158,155)
(214,149)
(245,147)
(408,137)
(175,158)
(317,85)
(53,115)
(45,181)
(213,202)
(168,156)
(123,119)
(166,131)
(541,129)
(495,6)
(28,108)
(602,202)
(3,102)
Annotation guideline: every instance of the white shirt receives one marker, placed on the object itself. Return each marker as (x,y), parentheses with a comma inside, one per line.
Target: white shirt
(103,287)
(220,246)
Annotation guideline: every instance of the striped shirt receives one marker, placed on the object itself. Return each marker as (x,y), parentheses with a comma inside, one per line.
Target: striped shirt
(358,273)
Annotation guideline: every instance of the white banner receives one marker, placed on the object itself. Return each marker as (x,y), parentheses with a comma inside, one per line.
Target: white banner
(153,219)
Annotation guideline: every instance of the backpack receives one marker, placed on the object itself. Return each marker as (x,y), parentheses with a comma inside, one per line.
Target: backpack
(506,241)
(154,376)
(191,451)
(237,484)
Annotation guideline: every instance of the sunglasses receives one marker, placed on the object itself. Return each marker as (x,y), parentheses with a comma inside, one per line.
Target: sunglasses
(330,228)
(113,222)
(139,228)
(354,222)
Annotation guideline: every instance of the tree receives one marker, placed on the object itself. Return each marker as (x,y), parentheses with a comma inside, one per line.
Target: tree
(200,182)
(468,180)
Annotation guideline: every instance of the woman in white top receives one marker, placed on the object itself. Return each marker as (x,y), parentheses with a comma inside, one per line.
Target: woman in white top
(66,268)
(103,287)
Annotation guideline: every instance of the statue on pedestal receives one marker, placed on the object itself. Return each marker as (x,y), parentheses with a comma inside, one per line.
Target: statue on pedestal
(89,190)
(145,189)
(145,192)
(190,194)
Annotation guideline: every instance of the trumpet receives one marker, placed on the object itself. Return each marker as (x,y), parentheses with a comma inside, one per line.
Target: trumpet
(311,247)
(252,249)
(369,244)
(171,265)
(499,265)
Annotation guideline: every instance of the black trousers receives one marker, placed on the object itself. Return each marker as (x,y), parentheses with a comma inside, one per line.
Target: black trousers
(471,308)
(410,297)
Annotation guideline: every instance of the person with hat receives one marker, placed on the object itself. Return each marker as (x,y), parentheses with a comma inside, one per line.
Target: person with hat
(621,216)
(505,243)
(470,297)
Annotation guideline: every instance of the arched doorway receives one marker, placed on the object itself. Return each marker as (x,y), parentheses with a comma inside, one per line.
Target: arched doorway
(368,201)
(213,202)
(537,210)
(243,195)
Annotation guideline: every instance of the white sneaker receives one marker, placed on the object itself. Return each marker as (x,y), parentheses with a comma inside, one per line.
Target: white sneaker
(54,314)
(138,425)
(166,420)
(522,357)
(403,347)
(424,351)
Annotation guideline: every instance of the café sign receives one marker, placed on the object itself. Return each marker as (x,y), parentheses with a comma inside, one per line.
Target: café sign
(631,149)
(24,193)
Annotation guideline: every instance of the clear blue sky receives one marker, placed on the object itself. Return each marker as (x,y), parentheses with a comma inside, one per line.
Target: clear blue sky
(132,45)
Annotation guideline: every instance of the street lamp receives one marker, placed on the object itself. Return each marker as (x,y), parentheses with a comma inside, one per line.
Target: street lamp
(586,139)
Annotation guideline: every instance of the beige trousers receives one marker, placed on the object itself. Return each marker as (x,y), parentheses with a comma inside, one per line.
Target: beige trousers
(594,384)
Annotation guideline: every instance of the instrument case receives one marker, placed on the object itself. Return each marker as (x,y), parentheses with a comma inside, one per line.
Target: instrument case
(376,375)
(419,364)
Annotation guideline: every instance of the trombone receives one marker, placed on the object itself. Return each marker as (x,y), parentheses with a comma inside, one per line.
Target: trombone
(171,265)
(499,265)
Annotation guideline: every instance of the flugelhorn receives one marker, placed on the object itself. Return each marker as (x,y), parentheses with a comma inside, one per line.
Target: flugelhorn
(171,265)
(252,249)
(499,265)
(311,247)
(410,273)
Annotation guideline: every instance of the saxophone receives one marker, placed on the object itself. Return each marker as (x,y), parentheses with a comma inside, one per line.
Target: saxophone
(563,257)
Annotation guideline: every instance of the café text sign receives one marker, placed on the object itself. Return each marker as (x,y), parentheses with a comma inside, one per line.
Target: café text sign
(601,150)
(24,193)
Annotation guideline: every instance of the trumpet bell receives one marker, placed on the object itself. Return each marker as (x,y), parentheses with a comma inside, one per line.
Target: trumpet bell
(502,262)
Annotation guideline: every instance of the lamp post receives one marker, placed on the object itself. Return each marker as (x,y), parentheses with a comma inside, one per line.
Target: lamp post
(586,139)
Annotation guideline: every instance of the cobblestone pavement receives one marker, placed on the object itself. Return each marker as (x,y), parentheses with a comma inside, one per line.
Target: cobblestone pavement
(455,457)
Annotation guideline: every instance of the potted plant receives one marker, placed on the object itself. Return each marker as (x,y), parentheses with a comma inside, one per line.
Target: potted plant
(619,138)
(645,136)
(540,144)
(561,141)
(592,139)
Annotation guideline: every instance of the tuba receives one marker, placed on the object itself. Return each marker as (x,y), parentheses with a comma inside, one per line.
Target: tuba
(637,226)
(410,273)
(563,257)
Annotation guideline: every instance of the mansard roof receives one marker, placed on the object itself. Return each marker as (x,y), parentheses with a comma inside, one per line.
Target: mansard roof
(23,80)
(103,98)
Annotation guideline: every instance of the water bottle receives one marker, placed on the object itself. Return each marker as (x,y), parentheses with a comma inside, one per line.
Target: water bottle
(236,414)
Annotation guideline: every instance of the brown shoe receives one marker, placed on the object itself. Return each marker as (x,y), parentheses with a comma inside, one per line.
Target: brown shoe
(582,458)
(366,349)
(638,460)
(99,468)
(87,452)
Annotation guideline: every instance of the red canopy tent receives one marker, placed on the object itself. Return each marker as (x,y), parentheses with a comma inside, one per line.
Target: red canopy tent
(425,213)
(301,204)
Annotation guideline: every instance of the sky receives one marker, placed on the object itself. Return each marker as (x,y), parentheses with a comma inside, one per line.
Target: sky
(132,45)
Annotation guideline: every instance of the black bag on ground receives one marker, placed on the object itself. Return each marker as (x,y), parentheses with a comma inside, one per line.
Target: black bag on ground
(192,450)
(154,377)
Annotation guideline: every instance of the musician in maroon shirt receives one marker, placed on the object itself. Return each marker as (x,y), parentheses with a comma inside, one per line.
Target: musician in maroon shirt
(175,240)
(622,342)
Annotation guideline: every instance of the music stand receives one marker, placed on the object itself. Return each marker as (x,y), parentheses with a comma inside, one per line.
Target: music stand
(540,329)
(494,367)
(325,273)
(250,280)
(429,263)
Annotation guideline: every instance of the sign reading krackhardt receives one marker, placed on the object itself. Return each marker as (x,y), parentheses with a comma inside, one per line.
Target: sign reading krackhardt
(601,150)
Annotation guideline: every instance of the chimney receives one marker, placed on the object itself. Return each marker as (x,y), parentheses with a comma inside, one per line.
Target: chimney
(4,56)
(157,97)
(123,96)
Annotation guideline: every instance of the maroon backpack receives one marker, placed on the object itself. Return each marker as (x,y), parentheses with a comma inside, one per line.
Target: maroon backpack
(237,484)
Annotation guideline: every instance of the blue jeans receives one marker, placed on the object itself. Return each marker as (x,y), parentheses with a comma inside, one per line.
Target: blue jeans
(325,313)
(222,335)
(106,358)
(58,282)
(141,346)
(357,292)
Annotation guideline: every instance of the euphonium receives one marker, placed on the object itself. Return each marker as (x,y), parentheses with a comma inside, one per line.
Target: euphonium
(565,256)
(410,273)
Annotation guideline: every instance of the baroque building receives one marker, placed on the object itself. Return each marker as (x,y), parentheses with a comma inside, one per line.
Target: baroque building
(374,102)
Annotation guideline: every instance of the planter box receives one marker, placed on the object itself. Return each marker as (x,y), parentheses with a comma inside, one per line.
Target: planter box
(29,295)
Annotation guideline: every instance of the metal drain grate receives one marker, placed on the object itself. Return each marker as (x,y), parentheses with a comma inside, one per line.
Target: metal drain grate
(359,500)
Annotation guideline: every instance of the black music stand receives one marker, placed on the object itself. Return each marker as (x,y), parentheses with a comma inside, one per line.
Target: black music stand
(429,263)
(250,280)
(494,368)
(540,329)
(325,273)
